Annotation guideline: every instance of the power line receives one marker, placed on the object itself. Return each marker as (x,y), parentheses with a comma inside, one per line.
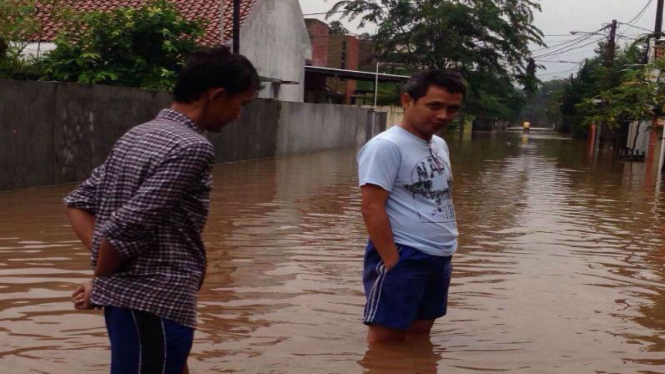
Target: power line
(571,42)
(641,13)
(558,72)
(558,35)
(637,27)
(622,36)
(553,53)
(569,47)
(559,45)
(340,11)
(562,40)
(321,13)
(561,62)
(561,49)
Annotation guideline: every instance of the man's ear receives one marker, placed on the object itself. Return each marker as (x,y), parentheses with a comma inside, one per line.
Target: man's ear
(406,99)
(217,92)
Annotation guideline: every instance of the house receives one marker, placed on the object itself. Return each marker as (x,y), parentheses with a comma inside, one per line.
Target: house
(343,52)
(273,36)
(319,33)
(644,139)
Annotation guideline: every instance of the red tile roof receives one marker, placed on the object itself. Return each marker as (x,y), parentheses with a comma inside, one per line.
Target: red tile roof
(191,9)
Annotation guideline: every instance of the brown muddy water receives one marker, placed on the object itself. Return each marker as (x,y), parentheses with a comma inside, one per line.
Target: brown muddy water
(560,270)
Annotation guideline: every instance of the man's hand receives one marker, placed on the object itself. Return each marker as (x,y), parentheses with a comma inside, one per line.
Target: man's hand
(390,259)
(373,209)
(81,296)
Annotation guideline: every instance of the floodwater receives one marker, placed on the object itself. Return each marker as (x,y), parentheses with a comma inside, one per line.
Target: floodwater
(561,269)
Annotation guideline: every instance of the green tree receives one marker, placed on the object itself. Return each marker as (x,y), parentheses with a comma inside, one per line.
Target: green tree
(18,27)
(583,86)
(594,78)
(141,47)
(336,28)
(544,108)
(493,98)
(487,41)
(640,96)
(530,80)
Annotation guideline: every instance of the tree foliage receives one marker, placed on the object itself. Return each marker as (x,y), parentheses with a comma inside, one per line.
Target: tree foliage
(597,79)
(584,85)
(18,26)
(336,28)
(640,96)
(141,47)
(486,40)
(544,108)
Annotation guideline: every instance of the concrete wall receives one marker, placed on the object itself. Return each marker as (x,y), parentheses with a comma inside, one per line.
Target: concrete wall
(58,132)
(305,127)
(394,114)
(274,37)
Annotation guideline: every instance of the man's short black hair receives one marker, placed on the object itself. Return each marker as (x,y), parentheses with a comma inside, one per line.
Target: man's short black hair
(420,82)
(215,68)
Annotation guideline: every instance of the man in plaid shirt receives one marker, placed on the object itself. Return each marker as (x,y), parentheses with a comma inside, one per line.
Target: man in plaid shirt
(142,212)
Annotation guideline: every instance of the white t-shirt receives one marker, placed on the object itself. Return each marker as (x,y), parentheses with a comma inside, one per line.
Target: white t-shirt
(419,178)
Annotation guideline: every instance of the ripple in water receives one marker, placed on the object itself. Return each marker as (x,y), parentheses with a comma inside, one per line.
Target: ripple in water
(560,270)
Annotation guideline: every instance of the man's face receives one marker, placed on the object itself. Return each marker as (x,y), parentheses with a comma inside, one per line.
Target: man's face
(432,112)
(224,108)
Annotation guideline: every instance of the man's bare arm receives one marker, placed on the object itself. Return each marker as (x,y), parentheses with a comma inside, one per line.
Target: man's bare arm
(108,260)
(373,208)
(83,224)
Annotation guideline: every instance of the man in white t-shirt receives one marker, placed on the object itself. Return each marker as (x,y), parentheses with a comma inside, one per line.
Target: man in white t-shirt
(406,181)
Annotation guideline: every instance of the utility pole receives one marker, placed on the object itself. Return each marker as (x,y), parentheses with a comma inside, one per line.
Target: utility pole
(653,55)
(658,30)
(609,73)
(611,45)
(236,26)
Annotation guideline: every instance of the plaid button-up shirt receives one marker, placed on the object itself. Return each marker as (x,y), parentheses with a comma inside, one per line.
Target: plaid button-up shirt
(150,200)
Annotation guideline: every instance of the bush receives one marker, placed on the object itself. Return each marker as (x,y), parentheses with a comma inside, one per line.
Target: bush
(142,47)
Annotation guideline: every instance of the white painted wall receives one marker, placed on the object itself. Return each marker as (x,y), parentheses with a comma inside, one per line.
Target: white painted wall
(274,37)
(34,50)
(642,138)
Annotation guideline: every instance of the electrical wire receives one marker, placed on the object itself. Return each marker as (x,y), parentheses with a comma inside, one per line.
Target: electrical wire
(562,49)
(556,53)
(641,13)
(558,72)
(561,44)
(633,26)
(561,62)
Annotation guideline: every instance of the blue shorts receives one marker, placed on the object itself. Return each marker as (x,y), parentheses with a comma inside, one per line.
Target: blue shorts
(143,343)
(415,289)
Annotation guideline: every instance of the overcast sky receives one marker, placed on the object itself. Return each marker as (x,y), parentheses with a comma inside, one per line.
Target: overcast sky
(557,19)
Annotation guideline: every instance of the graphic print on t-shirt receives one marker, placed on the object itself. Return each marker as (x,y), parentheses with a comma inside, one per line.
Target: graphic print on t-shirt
(431,190)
